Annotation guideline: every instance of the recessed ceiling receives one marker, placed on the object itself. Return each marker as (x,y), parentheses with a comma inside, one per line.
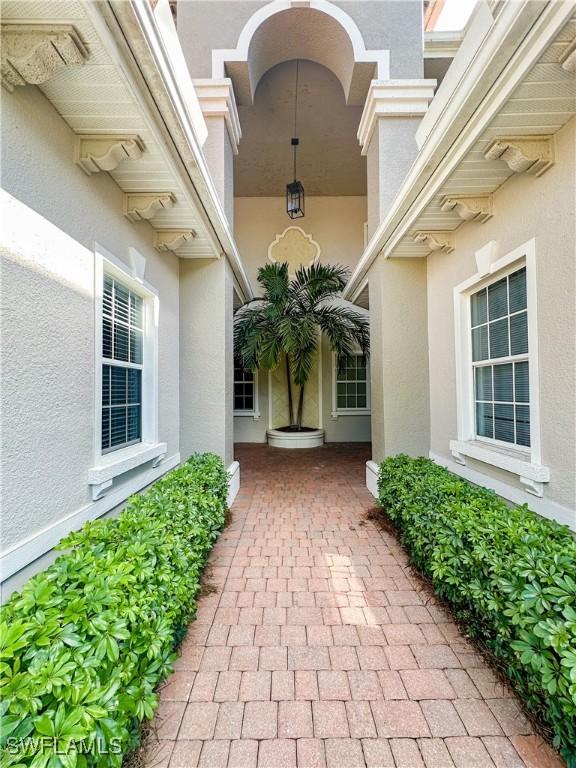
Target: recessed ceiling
(329,159)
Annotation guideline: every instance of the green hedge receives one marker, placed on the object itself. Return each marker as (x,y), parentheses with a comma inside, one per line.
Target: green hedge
(508,574)
(86,642)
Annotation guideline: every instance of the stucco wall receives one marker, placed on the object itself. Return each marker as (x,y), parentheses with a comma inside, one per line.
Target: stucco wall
(525,207)
(48,318)
(337,225)
(384,24)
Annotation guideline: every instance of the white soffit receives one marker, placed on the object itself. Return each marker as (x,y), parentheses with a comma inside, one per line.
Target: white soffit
(97,99)
(541,105)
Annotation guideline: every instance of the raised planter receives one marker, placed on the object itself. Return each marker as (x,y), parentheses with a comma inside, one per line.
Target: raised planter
(309,438)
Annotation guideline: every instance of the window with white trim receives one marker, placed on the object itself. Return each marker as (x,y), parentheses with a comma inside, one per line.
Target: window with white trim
(352,385)
(122,365)
(500,360)
(244,388)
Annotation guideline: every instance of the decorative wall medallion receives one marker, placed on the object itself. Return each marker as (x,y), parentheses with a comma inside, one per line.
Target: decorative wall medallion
(172,239)
(105,153)
(523,154)
(436,241)
(35,53)
(145,205)
(296,247)
(469,207)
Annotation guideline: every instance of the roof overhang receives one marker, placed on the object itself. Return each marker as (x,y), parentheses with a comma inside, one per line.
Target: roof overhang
(464,118)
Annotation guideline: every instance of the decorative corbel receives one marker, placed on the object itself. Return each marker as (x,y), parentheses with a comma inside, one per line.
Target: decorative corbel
(534,487)
(32,54)
(436,241)
(145,205)
(469,207)
(523,154)
(172,239)
(106,152)
(568,58)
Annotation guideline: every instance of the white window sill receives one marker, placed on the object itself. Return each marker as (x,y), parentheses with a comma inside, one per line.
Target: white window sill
(351,412)
(509,459)
(113,464)
(251,414)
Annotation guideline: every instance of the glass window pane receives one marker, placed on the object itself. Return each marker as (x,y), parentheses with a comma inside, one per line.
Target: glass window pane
(120,343)
(504,422)
(361,401)
(517,288)
(341,401)
(107,295)
(361,388)
(499,346)
(503,383)
(340,388)
(106,338)
(134,386)
(105,428)
(498,299)
(105,385)
(519,334)
(478,308)
(484,383)
(485,419)
(238,403)
(136,310)
(523,425)
(117,426)
(249,403)
(522,382)
(480,343)
(136,343)
(133,426)
(121,302)
(118,385)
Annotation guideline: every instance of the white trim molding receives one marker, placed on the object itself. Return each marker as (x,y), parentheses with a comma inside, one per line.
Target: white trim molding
(526,463)
(217,99)
(393,98)
(233,482)
(34,53)
(372,471)
(94,153)
(25,552)
(524,154)
(542,506)
(110,465)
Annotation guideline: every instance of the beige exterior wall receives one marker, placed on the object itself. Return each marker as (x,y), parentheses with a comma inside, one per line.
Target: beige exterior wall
(337,225)
(525,207)
(48,325)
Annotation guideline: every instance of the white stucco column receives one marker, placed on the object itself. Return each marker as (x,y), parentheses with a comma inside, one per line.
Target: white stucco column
(391,115)
(218,106)
(206,358)
(398,321)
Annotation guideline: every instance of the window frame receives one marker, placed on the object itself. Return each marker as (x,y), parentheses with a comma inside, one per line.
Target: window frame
(524,461)
(255,411)
(336,411)
(492,362)
(109,463)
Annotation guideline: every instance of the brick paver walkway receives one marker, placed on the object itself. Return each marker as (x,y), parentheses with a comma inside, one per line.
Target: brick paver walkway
(319,648)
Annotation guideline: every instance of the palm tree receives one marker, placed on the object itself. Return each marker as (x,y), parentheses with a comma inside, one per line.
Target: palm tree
(287,322)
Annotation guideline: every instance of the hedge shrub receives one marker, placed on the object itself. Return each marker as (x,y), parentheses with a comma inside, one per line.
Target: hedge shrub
(509,575)
(86,642)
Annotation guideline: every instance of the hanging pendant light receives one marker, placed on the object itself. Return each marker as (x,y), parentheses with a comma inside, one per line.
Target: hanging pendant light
(295,190)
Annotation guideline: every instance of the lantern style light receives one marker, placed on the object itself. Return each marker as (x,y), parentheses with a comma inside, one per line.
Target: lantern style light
(295,192)
(295,189)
